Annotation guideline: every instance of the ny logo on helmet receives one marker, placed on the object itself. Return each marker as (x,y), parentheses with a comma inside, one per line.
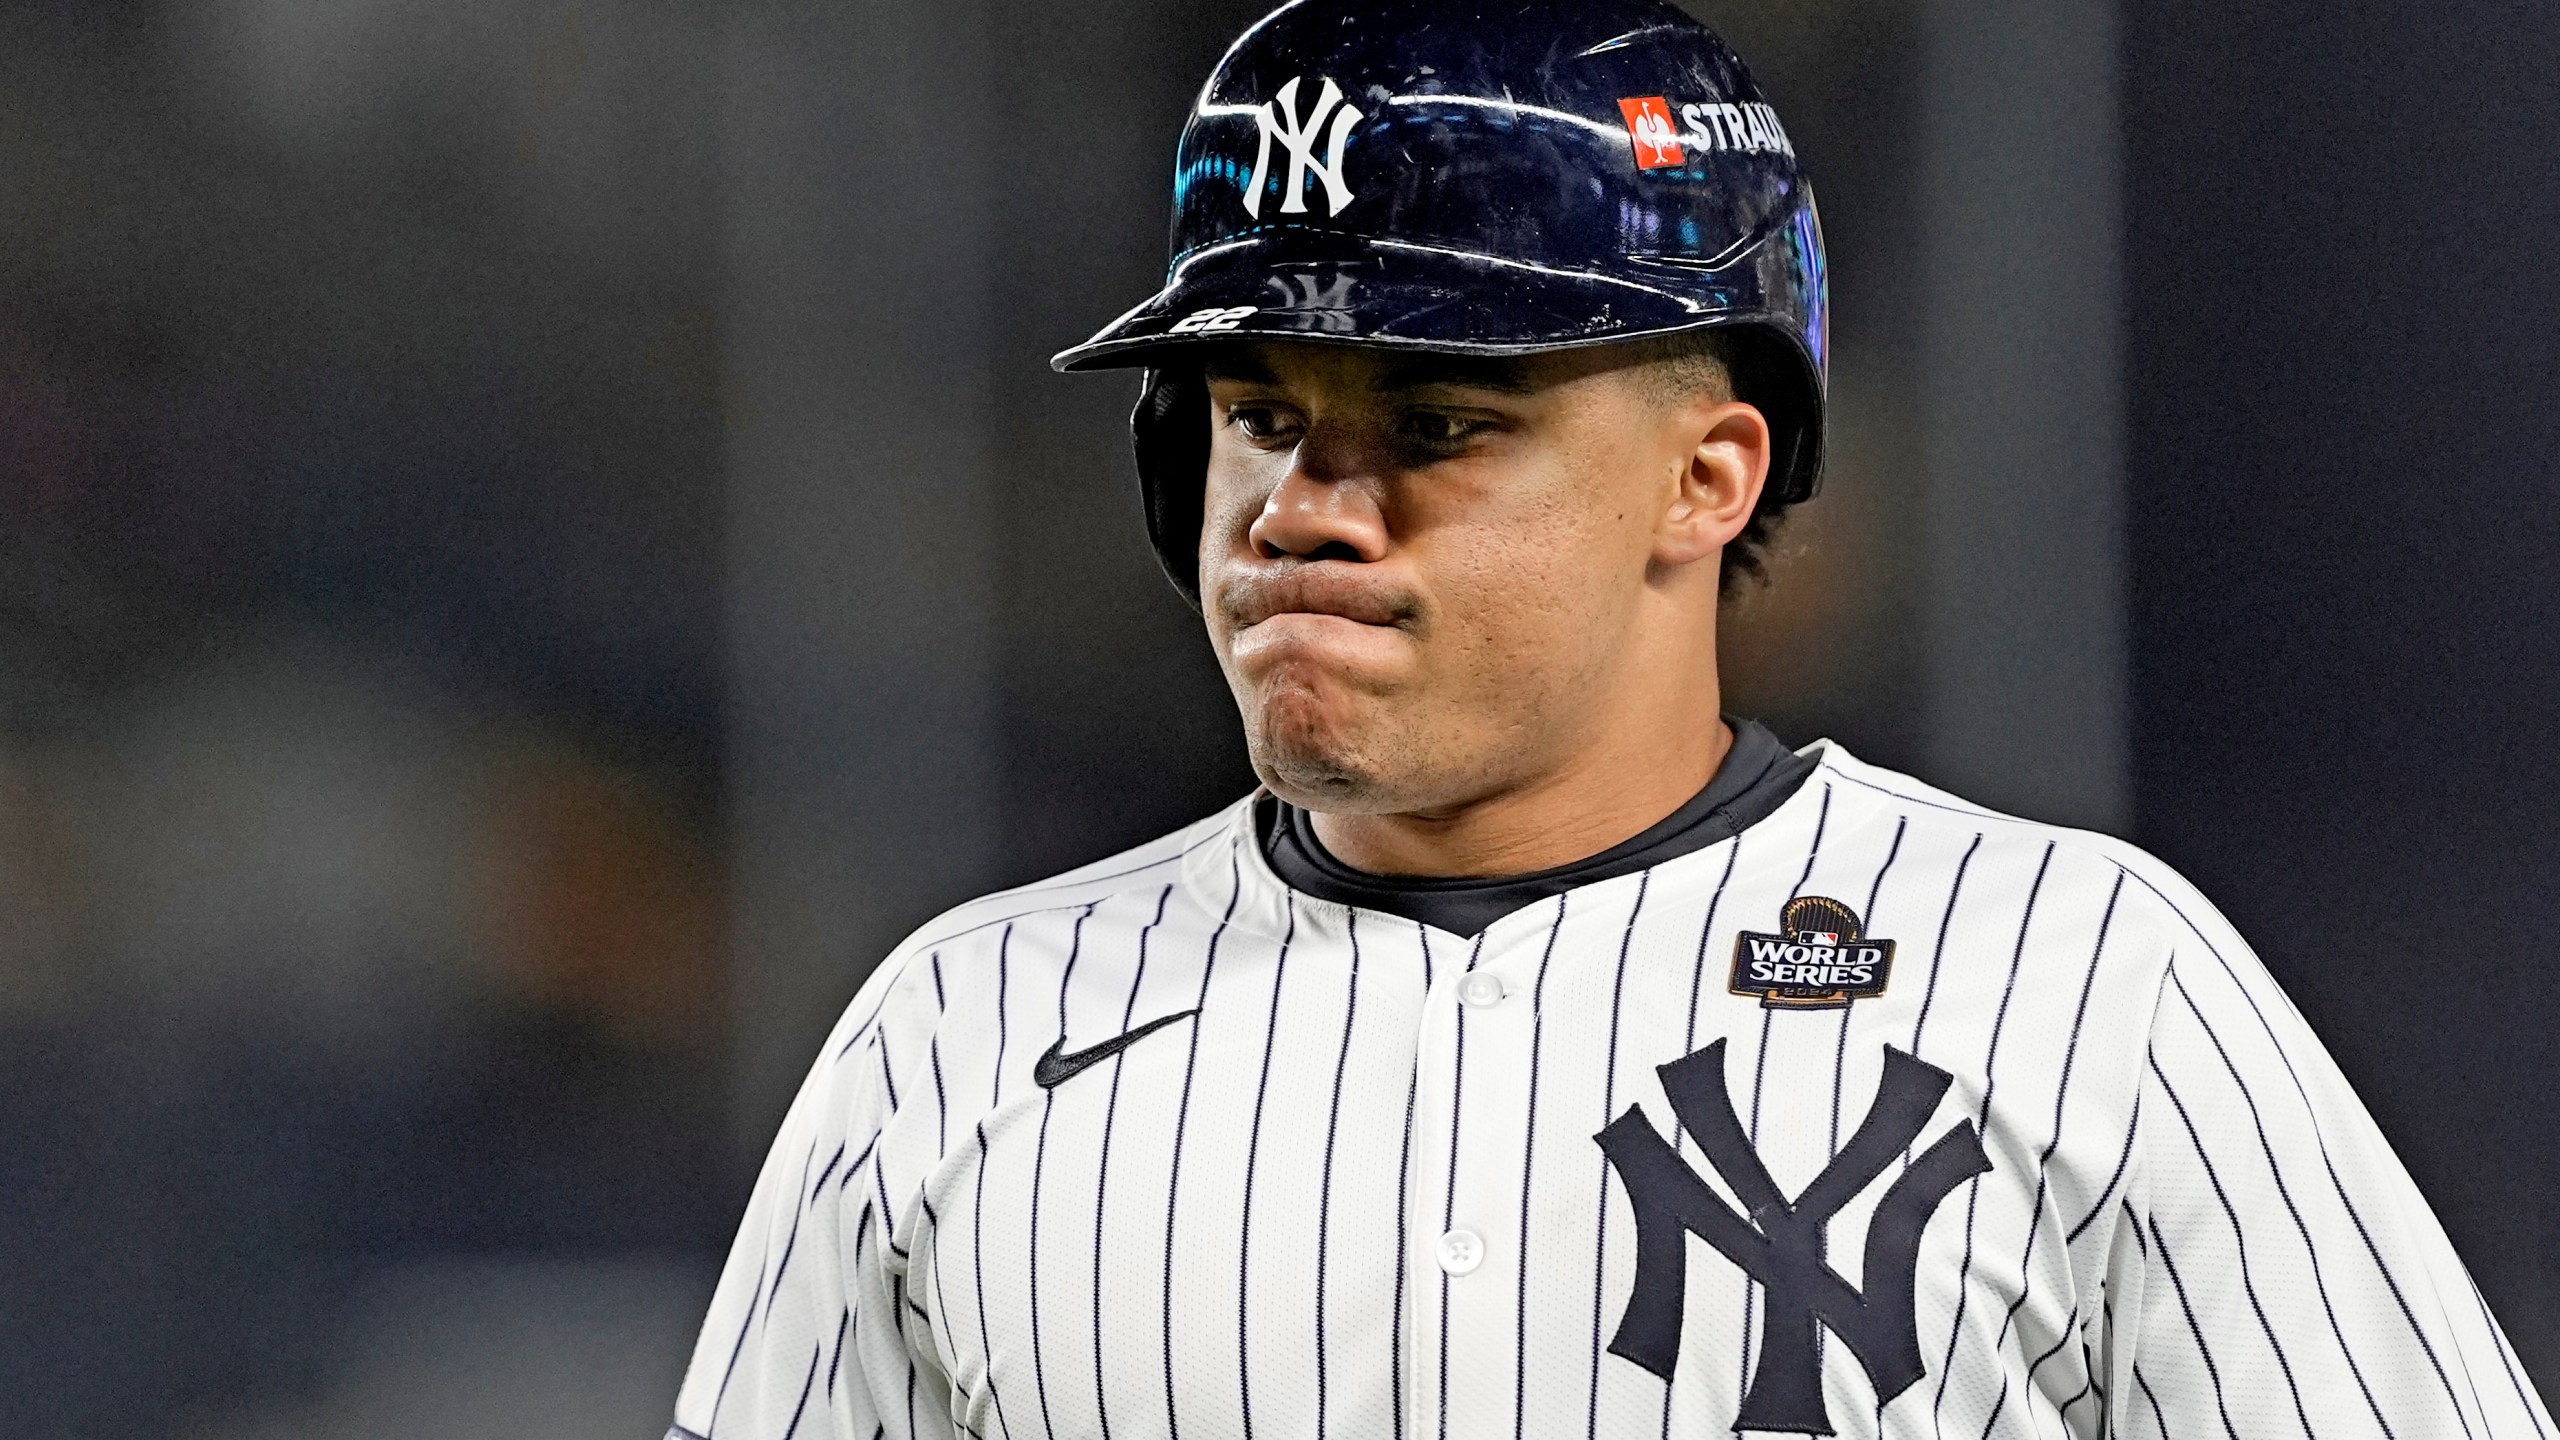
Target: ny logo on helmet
(1279,120)
(1324,299)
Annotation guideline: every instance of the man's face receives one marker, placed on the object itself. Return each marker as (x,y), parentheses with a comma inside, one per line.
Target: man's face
(1426,576)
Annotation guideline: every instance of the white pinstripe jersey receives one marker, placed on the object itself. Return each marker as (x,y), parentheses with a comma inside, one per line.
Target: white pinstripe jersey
(1358,1194)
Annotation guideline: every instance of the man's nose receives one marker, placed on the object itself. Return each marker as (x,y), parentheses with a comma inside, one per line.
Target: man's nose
(1325,508)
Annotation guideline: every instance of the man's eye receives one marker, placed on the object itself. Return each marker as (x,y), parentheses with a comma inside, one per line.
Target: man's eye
(1438,430)
(1257,423)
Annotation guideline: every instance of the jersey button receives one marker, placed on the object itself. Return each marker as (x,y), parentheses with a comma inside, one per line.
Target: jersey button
(1460,1251)
(1480,990)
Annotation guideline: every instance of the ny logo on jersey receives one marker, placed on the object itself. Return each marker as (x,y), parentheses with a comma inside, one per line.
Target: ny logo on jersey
(1781,1245)
(1279,121)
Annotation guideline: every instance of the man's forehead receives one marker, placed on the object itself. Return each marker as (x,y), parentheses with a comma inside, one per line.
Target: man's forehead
(1280,362)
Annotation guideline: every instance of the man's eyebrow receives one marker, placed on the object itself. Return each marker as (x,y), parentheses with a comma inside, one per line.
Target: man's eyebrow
(1240,366)
(1474,372)
(1500,373)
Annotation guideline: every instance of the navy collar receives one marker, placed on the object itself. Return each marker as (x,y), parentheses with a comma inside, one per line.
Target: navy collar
(1757,776)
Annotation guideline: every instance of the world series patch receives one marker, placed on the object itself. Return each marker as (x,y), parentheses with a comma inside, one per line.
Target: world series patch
(1821,960)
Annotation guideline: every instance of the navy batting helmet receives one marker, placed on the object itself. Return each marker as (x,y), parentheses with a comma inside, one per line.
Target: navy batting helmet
(1476,177)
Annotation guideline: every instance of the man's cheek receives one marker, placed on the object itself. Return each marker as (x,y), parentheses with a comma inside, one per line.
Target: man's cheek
(1227,512)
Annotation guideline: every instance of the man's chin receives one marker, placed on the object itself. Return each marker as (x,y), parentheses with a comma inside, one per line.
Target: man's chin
(1309,752)
(1317,783)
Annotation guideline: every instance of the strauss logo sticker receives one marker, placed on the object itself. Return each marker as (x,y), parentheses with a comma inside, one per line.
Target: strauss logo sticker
(1649,125)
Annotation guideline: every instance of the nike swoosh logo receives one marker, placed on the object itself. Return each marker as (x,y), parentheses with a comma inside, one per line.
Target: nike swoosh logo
(1056,1067)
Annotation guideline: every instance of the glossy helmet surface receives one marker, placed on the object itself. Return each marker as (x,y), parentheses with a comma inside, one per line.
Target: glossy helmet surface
(1476,177)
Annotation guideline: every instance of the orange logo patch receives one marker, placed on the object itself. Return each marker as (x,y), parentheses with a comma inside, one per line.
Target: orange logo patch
(1656,135)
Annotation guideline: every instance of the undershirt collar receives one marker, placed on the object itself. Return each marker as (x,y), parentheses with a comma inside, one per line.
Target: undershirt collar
(1757,776)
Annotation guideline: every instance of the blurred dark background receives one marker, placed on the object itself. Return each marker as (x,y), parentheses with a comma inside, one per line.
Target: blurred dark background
(537,538)
(2344,478)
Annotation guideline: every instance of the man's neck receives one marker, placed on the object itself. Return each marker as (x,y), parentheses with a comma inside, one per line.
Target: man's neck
(1604,797)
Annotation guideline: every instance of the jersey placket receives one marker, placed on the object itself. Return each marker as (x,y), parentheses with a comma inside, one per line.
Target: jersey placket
(1472,1119)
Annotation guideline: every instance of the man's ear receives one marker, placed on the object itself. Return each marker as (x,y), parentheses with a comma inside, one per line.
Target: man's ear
(1717,485)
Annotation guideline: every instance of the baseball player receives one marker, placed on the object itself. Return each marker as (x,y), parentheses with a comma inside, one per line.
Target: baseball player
(1536,1054)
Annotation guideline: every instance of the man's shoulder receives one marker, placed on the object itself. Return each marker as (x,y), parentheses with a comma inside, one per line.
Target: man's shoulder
(2068,854)
(947,961)
(1144,869)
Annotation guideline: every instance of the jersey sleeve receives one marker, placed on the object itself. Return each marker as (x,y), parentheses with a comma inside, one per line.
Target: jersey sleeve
(2276,1272)
(810,1335)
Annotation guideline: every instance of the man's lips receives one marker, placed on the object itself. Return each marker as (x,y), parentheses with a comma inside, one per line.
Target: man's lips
(1248,600)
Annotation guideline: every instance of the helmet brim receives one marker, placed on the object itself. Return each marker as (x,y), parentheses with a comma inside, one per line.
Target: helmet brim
(1301,283)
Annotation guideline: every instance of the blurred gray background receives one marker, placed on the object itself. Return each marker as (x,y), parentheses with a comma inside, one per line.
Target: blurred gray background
(537,539)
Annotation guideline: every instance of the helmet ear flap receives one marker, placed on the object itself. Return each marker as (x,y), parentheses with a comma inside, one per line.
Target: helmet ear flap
(1169,432)
(1770,370)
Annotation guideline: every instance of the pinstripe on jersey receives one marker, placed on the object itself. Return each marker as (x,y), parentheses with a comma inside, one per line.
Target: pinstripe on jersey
(1230,1228)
